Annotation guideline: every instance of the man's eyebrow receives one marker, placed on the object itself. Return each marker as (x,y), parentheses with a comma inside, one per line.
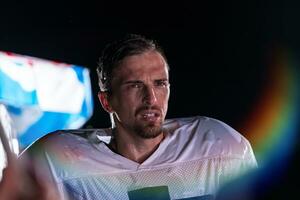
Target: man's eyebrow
(140,81)
(163,79)
(132,81)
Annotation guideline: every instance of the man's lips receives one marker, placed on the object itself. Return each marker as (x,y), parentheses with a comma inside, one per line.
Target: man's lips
(150,115)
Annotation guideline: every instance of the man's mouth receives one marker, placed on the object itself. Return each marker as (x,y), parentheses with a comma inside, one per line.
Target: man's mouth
(150,115)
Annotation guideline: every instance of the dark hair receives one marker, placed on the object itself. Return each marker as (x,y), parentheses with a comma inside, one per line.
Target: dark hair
(115,52)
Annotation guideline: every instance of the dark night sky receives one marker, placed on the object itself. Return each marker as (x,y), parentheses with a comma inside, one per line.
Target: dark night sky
(218,51)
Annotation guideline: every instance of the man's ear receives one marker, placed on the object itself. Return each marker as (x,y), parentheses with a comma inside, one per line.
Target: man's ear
(103,98)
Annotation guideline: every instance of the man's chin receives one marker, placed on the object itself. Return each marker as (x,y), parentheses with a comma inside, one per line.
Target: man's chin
(150,132)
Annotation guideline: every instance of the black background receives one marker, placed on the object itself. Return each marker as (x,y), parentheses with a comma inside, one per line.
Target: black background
(218,51)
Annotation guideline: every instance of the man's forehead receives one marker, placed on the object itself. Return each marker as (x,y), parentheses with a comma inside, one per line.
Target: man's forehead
(142,65)
(141,76)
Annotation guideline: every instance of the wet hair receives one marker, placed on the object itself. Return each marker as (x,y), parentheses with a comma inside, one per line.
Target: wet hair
(115,52)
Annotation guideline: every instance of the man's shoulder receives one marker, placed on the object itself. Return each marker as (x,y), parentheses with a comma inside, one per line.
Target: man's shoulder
(64,138)
(216,136)
(202,124)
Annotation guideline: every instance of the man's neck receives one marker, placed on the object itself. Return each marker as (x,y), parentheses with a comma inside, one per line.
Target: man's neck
(134,147)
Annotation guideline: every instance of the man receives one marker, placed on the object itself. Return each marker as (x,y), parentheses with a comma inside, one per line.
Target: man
(141,156)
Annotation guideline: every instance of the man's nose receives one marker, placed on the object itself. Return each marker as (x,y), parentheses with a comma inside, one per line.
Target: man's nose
(149,95)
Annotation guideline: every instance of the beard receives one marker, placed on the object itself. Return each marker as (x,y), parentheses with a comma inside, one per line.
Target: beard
(148,131)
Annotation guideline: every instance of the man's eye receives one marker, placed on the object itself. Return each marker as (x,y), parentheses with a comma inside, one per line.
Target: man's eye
(162,83)
(136,85)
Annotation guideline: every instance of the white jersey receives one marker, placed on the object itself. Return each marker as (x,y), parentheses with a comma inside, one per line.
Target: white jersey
(197,155)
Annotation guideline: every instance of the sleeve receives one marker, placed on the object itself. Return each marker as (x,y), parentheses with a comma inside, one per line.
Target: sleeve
(239,146)
(40,172)
(250,160)
(235,151)
(242,162)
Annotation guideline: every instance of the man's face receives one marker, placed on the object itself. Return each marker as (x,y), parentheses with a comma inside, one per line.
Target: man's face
(140,94)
